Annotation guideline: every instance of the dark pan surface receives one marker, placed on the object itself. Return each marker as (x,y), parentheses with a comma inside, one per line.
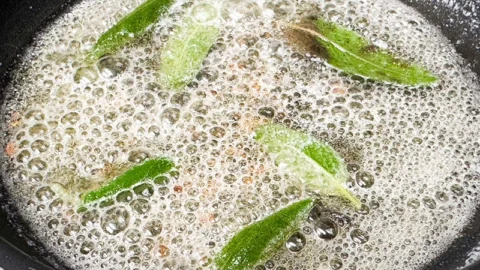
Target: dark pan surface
(21,19)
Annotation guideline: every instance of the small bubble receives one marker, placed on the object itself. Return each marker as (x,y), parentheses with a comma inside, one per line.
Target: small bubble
(153,228)
(171,115)
(364,179)
(85,75)
(71,229)
(44,193)
(336,263)
(110,67)
(125,196)
(138,156)
(359,236)
(132,236)
(204,13)
(296,242)
(90,218)
(293,192)
(40,146)
(217,132)
(268,112)
(441,196)
(56,205)
(429,202)
(413,203)
(457,189)
(325,228)
(146,100)
(140,206)
(145,190)
(38,130)
(115,220)
(86,247)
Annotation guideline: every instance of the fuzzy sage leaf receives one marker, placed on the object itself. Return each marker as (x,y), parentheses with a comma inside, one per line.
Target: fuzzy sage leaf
(183,54)
(317,164)
(147,170)
(346,50)
(260,240)
(130,27)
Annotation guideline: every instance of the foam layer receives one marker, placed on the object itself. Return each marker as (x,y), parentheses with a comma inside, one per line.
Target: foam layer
(70,126)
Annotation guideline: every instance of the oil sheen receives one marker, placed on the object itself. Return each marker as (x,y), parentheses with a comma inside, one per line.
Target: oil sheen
(412,153)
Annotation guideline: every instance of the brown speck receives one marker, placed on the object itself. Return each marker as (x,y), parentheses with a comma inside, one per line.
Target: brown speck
(256,86)
(11,149)
(164,251)
(339,91)
(247,180)
(178,189)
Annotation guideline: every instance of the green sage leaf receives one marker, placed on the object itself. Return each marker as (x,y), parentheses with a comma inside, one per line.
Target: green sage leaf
(348,51)
(183,54)
(260,240)
(130,27)
(148,170)
(317,164)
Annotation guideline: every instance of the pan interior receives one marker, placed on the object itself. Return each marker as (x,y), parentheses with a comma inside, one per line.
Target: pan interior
(71,126)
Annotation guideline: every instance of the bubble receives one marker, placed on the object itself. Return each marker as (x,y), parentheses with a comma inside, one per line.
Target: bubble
(413,203)
(359,236)
(144,190)
(217,132)
(293,192)
(147,100)
(70,118)
(204,13)
(153,228)
(71,229)
(38,130)
(296,242)
(441,196)
(364,179)
(268,112)
(457,189)
(56,205)
(110,67)
(140,206)
(237,10)
(44,194)
(23,156)
(171,115)
(132,236)
(429,202)
(40,146)
(115,220)
(192,205)
(138,156)
(325,228)
(85,75)
(180,99)
(89,218)
(125,196)
(86,247)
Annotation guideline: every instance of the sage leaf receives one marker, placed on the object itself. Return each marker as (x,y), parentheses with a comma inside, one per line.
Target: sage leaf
(317,164)
(183,54)
(348,51)
(130,27)
(150,169)
(259,241)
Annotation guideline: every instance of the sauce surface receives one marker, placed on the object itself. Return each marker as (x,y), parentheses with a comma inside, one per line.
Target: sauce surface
(413,153)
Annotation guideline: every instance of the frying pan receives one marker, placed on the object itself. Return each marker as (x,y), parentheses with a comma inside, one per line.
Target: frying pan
(21,19)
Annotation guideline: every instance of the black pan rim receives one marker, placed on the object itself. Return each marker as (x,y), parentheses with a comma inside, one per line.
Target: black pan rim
(452,258)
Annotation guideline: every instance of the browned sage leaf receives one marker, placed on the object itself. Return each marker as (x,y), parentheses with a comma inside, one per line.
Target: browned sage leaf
(348,51)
